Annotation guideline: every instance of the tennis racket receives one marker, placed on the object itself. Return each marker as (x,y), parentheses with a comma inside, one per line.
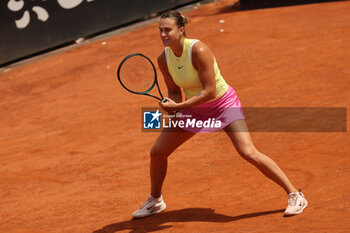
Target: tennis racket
(137,74)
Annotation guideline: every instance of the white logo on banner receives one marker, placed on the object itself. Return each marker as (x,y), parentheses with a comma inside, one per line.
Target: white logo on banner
(69,4)
(14,5)
(41,13)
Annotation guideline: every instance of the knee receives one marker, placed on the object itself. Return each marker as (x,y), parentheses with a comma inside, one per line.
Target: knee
(250,153)
(158,153)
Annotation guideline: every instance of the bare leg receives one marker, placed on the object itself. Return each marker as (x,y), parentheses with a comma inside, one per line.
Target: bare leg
(240,137)
(166,143)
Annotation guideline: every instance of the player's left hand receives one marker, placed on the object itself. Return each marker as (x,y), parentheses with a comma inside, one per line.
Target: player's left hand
(170,106)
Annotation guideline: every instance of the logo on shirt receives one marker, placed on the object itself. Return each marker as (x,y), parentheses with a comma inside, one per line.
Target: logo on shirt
(180,67)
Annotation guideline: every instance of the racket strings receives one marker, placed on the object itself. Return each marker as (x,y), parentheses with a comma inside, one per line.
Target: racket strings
(137,74)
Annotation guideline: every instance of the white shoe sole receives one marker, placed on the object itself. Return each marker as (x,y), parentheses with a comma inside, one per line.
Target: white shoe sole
(160,209)
(298,212)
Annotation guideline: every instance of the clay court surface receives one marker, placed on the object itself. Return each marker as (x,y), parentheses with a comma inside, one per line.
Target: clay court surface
(74,158)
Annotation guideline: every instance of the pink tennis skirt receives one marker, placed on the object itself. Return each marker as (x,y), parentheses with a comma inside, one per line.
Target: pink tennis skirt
(214,115)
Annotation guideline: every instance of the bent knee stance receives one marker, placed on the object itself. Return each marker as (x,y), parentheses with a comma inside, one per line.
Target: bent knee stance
(157,152)
(250,153)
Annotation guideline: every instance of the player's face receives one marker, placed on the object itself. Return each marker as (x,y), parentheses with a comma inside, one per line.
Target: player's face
(169,32)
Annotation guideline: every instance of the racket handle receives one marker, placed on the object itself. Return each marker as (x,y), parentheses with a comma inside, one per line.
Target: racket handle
(164,101)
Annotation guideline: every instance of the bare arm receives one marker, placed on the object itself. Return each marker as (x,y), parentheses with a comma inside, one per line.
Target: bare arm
(174,91)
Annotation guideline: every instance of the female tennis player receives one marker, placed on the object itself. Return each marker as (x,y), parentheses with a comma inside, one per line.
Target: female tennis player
(189,64)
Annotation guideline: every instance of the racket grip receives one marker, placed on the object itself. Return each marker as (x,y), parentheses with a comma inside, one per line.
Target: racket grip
(164,101)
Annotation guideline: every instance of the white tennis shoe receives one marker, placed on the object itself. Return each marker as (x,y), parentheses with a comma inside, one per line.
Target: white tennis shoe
(296,203)
(150,206)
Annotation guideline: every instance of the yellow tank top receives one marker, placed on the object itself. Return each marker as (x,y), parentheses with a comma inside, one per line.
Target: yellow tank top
(184,74)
